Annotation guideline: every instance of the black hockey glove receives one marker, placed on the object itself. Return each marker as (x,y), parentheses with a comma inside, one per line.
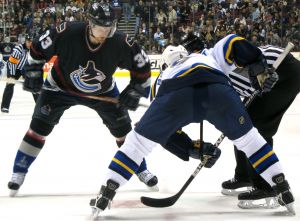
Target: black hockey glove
(130,96)
(270,82)
(33,81)
(207,151)
(261,76)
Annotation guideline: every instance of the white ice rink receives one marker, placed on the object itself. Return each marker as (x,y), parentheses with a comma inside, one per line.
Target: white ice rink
(70,169)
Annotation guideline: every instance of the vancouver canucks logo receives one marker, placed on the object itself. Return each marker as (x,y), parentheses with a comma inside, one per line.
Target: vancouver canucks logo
(87,79)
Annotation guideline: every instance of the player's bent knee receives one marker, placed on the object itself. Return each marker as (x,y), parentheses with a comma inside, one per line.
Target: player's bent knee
(139,143)
(250,142)
(41,127)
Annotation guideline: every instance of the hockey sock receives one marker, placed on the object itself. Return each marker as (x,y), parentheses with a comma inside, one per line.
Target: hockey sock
(128,159)
(143,165)
(28,151)
(123,166)
(22,162)
(260,154)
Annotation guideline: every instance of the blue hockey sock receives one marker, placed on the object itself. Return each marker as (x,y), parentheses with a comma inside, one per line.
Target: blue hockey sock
(22,162)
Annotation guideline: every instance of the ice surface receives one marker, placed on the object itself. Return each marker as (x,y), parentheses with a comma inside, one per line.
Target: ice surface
(70,169)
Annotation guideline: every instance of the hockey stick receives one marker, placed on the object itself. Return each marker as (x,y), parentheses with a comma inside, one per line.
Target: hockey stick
(169,201)
(100,98)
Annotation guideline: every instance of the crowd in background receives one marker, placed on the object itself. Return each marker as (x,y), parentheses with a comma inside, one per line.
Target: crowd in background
(162,22)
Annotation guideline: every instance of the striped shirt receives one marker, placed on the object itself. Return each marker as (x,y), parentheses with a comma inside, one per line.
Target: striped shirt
(17,59)
(240,79)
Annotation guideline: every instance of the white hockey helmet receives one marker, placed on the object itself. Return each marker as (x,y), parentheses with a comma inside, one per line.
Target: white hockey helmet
(172,54)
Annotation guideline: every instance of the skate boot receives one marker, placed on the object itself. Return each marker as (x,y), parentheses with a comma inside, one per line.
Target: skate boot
(258,198)
(149,179)
(285,196)
(104,198)
(15,183)
(235,186)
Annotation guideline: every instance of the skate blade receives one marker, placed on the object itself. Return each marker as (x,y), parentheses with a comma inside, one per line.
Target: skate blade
(95,212)
(13,193)
(291,209)
(153,188)
(235,192)
(267,203)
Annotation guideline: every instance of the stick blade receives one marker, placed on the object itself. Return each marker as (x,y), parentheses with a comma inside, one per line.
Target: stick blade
(159,203)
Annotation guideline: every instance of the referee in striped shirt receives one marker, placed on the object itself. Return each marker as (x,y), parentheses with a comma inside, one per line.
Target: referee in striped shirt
(266,112)
(15,70)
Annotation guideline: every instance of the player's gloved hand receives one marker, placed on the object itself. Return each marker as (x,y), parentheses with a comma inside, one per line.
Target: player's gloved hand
(207,151)
(261,76)
(270,82)
(131,95)
(33,81)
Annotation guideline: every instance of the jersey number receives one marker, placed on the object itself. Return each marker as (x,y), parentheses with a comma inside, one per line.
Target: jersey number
(45,40)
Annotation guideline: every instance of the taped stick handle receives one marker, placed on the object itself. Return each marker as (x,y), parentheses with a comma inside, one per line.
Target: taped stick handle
(282,56)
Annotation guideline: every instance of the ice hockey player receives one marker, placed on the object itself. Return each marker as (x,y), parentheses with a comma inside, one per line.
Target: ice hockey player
(191,89)
(265,119)
(87,56)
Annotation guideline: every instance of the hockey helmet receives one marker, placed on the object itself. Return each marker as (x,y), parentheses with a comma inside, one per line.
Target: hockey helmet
(172,54)
(192,43)
(28,37)
(102,14)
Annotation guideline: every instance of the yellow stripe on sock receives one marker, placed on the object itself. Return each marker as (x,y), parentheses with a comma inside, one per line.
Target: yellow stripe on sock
(263,158)
(123,165)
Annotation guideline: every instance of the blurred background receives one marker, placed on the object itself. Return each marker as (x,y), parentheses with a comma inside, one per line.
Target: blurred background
(158,23)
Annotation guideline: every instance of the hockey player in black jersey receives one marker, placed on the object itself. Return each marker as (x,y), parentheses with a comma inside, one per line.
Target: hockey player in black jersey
(194,88)
(15,70)
(88,54)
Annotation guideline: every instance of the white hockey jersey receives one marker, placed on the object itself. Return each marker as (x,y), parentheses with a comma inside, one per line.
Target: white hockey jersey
(217,59)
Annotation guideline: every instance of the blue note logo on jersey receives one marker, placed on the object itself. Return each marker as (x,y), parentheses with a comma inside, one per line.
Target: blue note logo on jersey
(87,79)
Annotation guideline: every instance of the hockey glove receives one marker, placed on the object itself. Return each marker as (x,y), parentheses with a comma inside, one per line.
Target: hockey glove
(130,96)
(208,151)
(261,76)
(269,82)
(33,81)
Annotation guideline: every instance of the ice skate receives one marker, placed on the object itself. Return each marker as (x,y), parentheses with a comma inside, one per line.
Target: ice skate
(258,198)
(285,196)
(104,198)
(235,186)
(149,179)
(15,183)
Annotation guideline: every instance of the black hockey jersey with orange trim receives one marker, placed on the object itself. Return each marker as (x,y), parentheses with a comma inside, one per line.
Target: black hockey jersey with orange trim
(83,68)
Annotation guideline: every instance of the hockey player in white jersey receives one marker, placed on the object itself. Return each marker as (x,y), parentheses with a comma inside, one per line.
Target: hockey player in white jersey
(194,88)
(265,119)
